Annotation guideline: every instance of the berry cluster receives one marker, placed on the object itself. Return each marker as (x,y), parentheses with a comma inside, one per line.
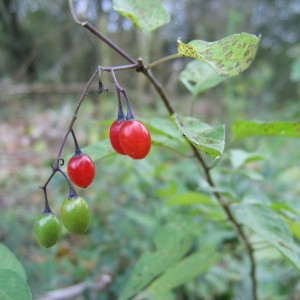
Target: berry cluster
(75,215)
(127,136)
(75,212)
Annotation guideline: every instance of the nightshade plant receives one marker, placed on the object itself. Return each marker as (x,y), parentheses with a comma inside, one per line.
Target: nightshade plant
(173,263)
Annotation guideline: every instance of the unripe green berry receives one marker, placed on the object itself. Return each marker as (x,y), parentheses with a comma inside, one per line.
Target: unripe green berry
(47,229)
(76,215)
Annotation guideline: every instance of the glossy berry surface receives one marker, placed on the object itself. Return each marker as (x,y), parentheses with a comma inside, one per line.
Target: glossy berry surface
(47,229)
(114,136)
(76,215)
(81,170)
(135,139)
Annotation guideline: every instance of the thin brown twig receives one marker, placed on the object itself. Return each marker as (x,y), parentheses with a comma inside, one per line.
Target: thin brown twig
(83,95)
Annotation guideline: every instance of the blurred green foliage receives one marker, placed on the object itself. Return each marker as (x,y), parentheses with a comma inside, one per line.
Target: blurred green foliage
(133,200)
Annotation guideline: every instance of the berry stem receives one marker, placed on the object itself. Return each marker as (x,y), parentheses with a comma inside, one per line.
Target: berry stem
(130,115)
(72,193)
(121,115)
(101,36)
(77,148)
(55,165)
(47,208)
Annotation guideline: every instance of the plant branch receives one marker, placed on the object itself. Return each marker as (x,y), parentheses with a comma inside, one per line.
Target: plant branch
(98,34)
(207,170)
(55,166)
(84,94)
(160,90)
(136,65)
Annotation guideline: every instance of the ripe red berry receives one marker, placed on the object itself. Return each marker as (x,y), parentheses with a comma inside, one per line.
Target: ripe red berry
(114,136)
(135,139)
(81,170)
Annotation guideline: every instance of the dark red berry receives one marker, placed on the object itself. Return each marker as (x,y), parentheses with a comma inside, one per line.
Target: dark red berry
(81,170)
(135,139)
(114,136)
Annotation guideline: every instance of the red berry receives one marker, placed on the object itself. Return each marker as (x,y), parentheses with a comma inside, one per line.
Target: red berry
(135,139)
(114,136)
(81,170)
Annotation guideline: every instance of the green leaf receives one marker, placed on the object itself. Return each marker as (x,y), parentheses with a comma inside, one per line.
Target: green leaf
(13,286)
(279,207)
(191,198)
(99,150)
(243,128)
(10,262)
(294,227)
(269,226)
(147,15)
(251,174)
(162,126)
(142,219)
(165,135)
(240,157)
(206,206)
(182,272)
(228,57)
(172,243)
(198,77)
(207,139)
(226,191)
(290,215)
(165,296)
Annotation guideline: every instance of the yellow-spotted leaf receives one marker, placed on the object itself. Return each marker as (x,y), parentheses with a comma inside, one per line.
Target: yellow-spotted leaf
(228,57)
(146,15)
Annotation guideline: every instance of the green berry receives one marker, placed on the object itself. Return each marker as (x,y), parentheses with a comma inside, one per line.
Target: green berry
(76,215)
(47,229)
